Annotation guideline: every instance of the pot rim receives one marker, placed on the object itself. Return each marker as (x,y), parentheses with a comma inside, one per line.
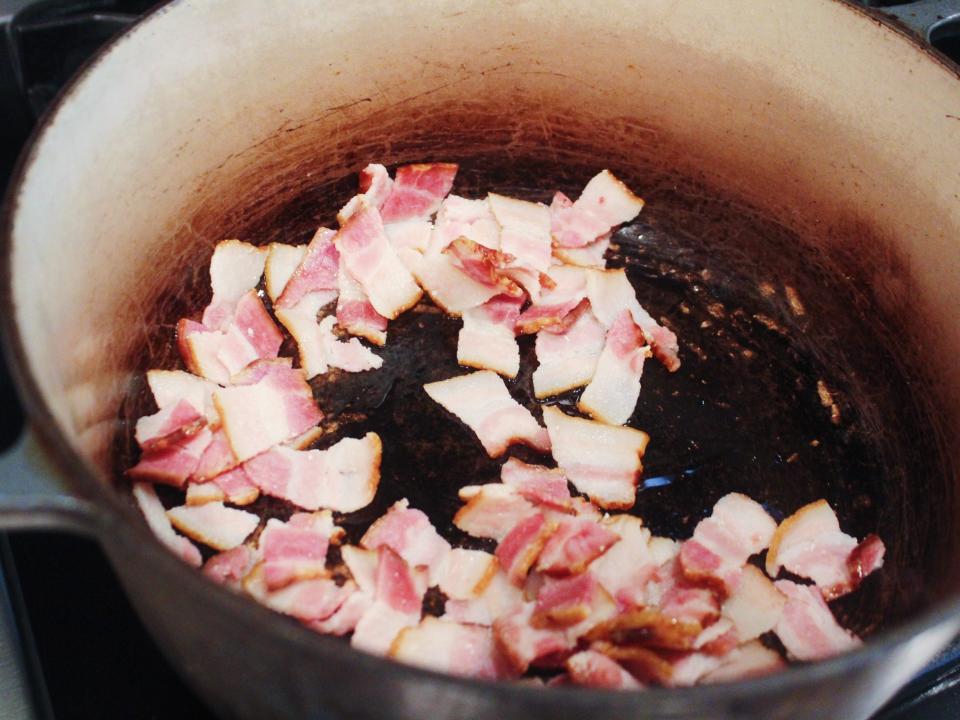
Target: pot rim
(111,511)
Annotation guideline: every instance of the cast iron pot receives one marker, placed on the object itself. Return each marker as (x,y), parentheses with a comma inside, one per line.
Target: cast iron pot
(805,142)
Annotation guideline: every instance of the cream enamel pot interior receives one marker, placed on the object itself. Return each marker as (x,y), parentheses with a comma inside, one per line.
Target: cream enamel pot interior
(215,118)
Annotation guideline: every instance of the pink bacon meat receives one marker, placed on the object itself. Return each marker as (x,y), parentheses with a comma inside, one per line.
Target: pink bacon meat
(810,544)
(418,190)
(626,567)
(522,643)
(576,543)
(600,460)
(604,203)
(371,260)
(174,463)
(375,187)
(519,549)
(355,314)
(807,628)
(317,271)
(492,511)
(487,340)
(554,305)
(296,549)
(398,600)
(614,389)
(539,485)
(610,292)
(483,403)
(275,407)
(409,533)
(169,425)
(722,543)
(344,477)
(568,359)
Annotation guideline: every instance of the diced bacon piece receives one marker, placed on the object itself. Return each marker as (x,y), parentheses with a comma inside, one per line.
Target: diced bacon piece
(371,260)
(664,549)
(539,485)
(345,619)
(355,314)
(600,460)
(592,255)
(159,524)
(593,669)
(217,458)
(465,574)
(604,203)
(648,627)
(409,533)
(230,567)
(169,425)
(253,322)
(214,524)
(464,650)
(317,271)
(553,306)
(750,660)
(576,543)
(522,643)
(282,261)
(451,290)
(680,598)
(810,544)
(625,568)
(572,227)
(277,407)
(641,662)
(487,340)
(349,355)
(612,394)
(483,265)
(499,598)
(568,360)
(199,348)
(217,315)
(754,605)
(482,402)
(200,493)
(398,602)
(492,512)
(462,218)
(609,292)
(807,628)
(171,386)
(524,230)
(296,549)
(519,549)
(173,464)
(301,321)
(375,188)
(343,478)
(565,602)
(418,190)
(235,269)
(309,600)
(721,544)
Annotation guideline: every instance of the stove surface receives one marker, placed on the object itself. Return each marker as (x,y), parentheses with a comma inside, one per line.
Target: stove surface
(69,639)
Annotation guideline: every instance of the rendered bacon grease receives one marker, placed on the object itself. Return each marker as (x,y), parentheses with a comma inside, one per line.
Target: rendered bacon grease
(577,590)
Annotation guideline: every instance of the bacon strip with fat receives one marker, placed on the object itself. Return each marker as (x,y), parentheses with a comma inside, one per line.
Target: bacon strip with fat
(409,533)
(600,460)
(450,647)
(418,191)
(807,628)
(214,524)
(612,394)
(487,340)
(568,359)
(482,402)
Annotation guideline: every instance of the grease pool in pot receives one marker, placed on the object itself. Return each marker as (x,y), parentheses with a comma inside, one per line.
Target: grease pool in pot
(770,400)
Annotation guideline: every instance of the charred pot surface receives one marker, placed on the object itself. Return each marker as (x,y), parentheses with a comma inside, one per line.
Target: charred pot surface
(794,384)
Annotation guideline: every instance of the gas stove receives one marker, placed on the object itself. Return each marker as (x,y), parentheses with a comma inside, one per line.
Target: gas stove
(71,646)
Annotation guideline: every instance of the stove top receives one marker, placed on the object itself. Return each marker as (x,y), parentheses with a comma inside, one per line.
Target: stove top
(71,646)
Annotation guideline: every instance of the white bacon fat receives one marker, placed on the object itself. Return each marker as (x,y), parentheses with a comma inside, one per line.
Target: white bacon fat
(487,340)
(214,524)
(612,393)
(568,359)
(483,403)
